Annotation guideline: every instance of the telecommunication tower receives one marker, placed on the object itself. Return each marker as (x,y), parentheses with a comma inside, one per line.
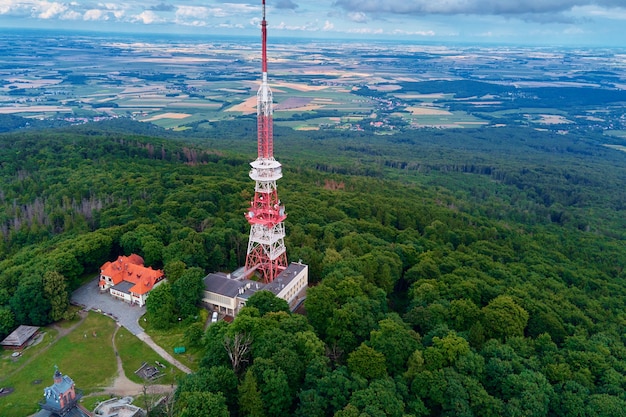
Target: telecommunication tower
(266,253)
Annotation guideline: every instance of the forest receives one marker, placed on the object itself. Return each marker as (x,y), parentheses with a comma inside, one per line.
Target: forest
(474,272)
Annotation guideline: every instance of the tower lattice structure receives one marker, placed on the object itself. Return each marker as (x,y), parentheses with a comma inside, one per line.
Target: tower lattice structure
(266,253)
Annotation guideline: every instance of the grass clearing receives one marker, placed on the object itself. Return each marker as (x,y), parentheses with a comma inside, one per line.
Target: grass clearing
(90,403)
(134,353)
(616,133)
(170,338)
(8,364)
(85,354)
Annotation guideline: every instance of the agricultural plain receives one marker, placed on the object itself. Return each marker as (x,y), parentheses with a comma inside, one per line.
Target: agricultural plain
(181,82)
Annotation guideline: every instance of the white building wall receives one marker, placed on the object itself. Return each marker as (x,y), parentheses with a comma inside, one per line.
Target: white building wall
(294,288)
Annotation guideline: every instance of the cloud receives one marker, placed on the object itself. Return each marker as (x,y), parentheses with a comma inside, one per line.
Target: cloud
(286,4)
(366,31)
(526,9)
(51,10)
(147,17)
(413,33)
(40,9)
(306,27)
(162,7)
(96,14)
(71,15)
(594,11)
(358,17)
(185,13)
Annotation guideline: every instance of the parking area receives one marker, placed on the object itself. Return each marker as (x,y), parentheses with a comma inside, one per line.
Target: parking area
(90,298)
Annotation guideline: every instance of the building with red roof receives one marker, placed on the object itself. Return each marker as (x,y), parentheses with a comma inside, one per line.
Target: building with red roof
(128,279)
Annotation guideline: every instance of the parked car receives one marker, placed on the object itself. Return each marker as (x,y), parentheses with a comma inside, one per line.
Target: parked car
(214,317)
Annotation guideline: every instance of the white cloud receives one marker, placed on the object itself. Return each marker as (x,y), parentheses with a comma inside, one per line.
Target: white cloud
(306,27)
(574,30)
(594,11)
(71,15)
(147,17)
(95,14)
(366,31)
(358,17)
(46,10)
(231,26)
(478,7)
(413,33)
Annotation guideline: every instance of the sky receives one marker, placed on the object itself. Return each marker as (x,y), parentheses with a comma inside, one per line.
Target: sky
(531,22)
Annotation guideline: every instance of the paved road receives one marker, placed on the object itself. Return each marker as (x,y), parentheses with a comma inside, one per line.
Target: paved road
(90,297)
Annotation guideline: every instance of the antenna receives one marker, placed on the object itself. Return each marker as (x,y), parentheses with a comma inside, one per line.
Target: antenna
(264,40)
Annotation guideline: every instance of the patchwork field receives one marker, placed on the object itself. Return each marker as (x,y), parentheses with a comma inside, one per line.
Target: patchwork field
(158,80)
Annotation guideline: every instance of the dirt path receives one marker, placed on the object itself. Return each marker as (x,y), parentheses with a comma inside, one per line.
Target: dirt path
(122,386)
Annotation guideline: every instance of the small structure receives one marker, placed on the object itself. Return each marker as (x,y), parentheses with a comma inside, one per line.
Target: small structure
(119,407)
(228,293)
(61,399)
(148,372)
(19,337)
(128,279)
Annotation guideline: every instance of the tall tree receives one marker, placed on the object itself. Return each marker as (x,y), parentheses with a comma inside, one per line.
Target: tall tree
(174,270)
(266,302)
(7,321)
(202,404)
(162,306)
(55,291)
(396,342)
(503,317)
(187,291)
(367,362)
(250,402)
(29,304)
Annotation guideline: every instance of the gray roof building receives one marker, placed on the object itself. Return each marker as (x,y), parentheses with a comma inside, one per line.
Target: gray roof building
(228,293)
(19,337)
(61,399)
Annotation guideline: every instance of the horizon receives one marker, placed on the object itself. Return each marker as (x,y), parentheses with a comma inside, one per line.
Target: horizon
(596,23)
(283,38)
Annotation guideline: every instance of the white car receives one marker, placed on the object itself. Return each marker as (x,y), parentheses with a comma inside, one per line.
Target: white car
(214,317)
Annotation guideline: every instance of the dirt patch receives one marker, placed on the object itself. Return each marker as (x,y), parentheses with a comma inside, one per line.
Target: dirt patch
(292,103)
(302,87)
(168,116)
(428,111)
(34,109)
(551,119)
(248,106)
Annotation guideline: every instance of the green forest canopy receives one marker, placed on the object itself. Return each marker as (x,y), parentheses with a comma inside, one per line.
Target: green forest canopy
(475,272)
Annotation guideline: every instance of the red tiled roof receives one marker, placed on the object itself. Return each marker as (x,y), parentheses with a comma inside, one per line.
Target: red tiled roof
(131,269)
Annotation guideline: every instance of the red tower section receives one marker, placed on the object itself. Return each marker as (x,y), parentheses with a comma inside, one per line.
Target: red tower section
(266,247)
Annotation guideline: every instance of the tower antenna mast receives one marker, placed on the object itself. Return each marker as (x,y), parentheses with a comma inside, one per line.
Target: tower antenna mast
(266,252)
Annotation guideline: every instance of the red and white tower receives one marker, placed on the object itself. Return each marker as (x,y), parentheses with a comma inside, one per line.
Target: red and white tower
(266,248)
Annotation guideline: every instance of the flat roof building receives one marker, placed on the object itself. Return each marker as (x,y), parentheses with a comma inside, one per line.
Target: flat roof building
(228,293)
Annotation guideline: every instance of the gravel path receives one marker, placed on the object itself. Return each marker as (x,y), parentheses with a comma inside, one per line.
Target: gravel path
(122,386)
(90,297)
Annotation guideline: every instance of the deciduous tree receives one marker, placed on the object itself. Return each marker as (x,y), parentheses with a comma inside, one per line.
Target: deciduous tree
(55,291)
